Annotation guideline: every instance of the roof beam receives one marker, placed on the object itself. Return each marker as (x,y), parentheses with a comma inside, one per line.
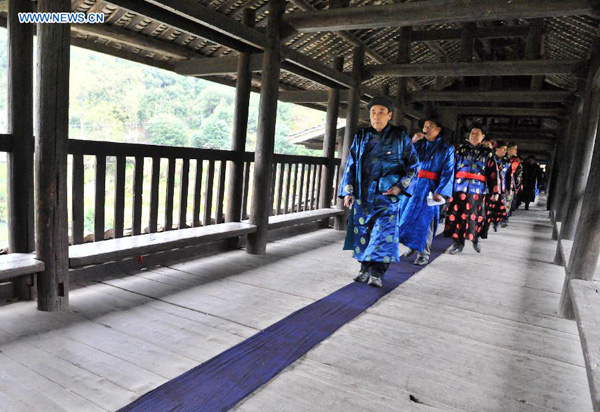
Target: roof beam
(500,32)
(204,22)
(516,96)
(491,68)
(200,67)
(436,12)
(502,111)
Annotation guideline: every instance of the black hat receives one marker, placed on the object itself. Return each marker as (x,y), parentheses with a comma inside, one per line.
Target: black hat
(433,119)
(381,101)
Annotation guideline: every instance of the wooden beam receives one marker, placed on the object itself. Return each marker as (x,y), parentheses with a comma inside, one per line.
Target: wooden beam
(51,141)
(209,24)
(217,66)
(265,142)
(503,111)
(500,32)
(525,96)
(436,12)
(403,58)
(492,68)
(240,128)
(134,39)
(20,125)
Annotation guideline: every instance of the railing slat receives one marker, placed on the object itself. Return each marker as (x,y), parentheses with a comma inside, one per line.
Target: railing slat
(154,187)
(170,195)
(77,200)
(100,198)
(245,213)
(210,179)
(307,186)
(197,192)
(288,186)
(221,191)
(302,167)
(280,188)
(120,197)
(138,180)
(318,184)
(183,193)
(272,187)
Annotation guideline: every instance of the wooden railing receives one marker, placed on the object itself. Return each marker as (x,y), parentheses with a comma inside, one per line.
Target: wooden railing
(295,186)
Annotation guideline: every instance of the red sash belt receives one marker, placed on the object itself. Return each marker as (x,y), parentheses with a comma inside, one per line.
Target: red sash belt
(467,175)
(428,175)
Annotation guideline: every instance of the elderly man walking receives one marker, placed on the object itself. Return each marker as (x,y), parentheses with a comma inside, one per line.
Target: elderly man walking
(381,164)
(475,168)
(418,219)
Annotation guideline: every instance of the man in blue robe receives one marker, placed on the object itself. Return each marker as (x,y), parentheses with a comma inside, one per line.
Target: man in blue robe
(381,164)
(418,221)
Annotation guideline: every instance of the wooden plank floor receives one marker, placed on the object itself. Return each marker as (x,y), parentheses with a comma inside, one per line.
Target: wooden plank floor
(469,332)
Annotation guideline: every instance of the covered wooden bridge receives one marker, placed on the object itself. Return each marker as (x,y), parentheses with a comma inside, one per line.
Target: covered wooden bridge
(118,318)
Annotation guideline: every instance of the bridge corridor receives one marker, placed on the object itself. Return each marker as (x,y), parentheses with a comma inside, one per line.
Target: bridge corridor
(468,332)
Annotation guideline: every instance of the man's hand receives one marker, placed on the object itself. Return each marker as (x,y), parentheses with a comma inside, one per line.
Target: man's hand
(348,201)
(418,136)
(394,191)
(437,197)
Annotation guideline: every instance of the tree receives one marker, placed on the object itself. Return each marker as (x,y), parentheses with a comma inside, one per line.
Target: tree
(167,130)
(214,134)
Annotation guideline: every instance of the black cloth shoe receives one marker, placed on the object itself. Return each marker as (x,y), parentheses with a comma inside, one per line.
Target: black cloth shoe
(495,227)
(375,281)
(362,277)
(456,249)
(421,261)
(408,253)
(504,224)
(477,247)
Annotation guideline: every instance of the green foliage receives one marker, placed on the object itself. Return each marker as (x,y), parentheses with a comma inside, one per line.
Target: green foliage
(167,130)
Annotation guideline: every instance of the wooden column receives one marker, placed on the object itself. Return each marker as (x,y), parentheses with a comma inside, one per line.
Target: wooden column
(583,151)
(573,141)
(333,108)
(467,44)
(586,247)
(533,48)
(558,166)
(351,121)
(20,126)
(403,57)
(51,143)
(265,143)
(240,127)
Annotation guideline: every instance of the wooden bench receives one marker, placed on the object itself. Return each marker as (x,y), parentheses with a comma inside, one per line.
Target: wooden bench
(291,219)
(13,265)
(139,245)
(586,305)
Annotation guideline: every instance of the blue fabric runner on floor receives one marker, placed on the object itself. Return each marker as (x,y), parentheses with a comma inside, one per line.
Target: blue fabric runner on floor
(221,382)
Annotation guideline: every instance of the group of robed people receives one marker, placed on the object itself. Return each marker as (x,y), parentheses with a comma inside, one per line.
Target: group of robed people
(395,187)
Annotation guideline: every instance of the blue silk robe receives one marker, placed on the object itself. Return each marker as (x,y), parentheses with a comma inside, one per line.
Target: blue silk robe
(415,215)
(377,162)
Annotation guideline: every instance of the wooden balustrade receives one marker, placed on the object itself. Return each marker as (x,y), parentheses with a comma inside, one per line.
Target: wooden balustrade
(195,190)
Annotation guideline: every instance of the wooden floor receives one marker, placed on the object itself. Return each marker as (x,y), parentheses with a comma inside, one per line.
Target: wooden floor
(469,332)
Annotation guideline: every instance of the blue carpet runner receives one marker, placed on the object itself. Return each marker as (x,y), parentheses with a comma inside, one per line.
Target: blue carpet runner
(221,382)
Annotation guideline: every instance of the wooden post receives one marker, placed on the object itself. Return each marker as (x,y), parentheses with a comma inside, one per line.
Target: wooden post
(20,126)
(51,142)
(586,247)
(467,44)
(403,57)
(558,165)
(351,121)
(333,107)
(573,142)
(261,196)
(240,127)
(583,150)
(533,48)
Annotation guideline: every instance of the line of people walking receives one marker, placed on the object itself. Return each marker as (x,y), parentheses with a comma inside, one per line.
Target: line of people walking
(397,186)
